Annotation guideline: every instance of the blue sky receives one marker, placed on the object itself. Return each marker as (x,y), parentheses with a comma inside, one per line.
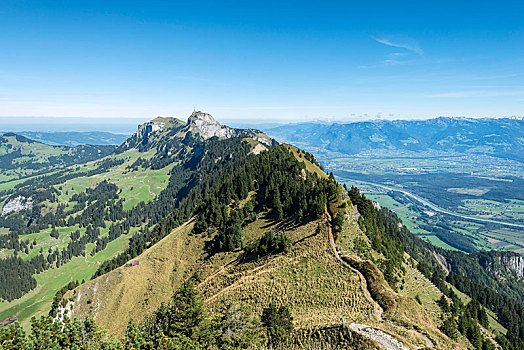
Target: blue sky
(262,60)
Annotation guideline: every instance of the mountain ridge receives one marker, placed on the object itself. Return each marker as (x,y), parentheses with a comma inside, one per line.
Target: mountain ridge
(502,137)
(21,157)
(199,124)
(133,291)
(193,201)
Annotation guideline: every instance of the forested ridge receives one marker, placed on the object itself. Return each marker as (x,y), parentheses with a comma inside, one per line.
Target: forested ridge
(269,174)
(275,182)
(97,214)
(96,206)
(383,233)
(468,274)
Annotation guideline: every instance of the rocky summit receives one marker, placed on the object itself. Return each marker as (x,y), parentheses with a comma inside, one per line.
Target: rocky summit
(208,127)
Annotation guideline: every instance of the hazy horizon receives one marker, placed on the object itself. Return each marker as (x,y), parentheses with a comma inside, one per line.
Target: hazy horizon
(127,125)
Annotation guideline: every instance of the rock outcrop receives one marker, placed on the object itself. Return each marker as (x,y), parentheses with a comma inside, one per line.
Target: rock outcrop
(208,127)
(513,263)
(442,262)
(199,123)
(17,204)
(205,125)
(143,132)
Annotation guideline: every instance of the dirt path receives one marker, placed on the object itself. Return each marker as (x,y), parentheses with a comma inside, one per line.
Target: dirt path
(378,336)
(429,343)
(377,309)
(384,339)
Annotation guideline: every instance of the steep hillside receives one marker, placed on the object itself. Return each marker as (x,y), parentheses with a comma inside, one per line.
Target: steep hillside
(498,137)
(59,227)
(309,277)
(139,290)
(440,274)
(187,222)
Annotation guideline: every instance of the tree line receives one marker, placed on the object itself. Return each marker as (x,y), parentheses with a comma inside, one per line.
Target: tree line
(183,323)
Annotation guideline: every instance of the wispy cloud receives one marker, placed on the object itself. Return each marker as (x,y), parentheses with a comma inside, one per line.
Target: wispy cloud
(402,43)
(397,59)
(410,52)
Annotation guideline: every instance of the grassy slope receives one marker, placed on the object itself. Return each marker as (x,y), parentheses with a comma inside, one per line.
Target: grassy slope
(309,166)
(399,309)
(131,292)
(414,283)
(140,185)
(494,325)
(38,301)
(316,286)
(134,186)
(311,276)
(318,289)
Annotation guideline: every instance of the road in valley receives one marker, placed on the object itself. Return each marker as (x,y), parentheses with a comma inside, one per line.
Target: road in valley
(431,205)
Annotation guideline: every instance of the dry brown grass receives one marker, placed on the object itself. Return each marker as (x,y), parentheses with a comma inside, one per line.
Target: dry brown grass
(403,315)
(309,166)
(309,279)
(133,292)
(317,288)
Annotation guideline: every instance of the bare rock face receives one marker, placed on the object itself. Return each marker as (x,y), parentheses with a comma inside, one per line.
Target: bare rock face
(259,148)
(17,204)
(142,134)
(205,125)
(158,131)
(208,127)
(513,263)
(442,262)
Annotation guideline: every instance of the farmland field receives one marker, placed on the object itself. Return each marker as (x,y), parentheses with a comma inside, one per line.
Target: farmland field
(485,195)
(133,186)
(38,301)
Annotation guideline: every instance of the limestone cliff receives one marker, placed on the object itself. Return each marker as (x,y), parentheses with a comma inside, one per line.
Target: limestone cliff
(205,125)
(513,263)
(17,204)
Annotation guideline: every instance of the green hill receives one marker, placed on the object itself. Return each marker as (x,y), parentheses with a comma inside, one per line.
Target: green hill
(185,223)
(68,219)
(310,278)
(21,157)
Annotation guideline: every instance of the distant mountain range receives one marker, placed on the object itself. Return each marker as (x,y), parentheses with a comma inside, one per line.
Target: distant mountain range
(75,138)
(502,137)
